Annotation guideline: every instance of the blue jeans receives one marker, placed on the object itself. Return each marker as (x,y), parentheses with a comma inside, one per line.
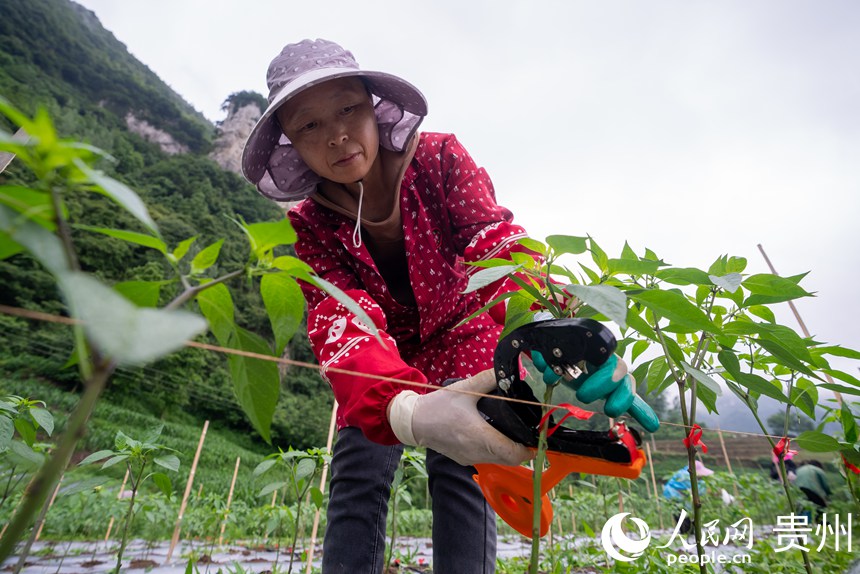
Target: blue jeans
(464,525)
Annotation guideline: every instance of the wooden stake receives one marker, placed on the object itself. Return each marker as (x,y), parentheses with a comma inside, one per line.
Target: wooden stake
(799,320)
(50,504)
(572,512)
(118,497)
(328,444)
(728,462)
(175,539)
(654,483)
(229,500)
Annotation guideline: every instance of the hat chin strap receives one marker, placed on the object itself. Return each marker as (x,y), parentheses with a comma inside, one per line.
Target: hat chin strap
(356,234)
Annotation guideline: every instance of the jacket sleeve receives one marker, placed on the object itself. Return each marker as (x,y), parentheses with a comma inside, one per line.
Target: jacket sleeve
(360,368)
(482,228)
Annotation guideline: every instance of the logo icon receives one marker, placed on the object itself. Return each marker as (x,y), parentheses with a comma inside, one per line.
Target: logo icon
(616,542)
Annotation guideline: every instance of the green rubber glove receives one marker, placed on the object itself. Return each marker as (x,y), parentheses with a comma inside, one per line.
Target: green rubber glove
(620,396)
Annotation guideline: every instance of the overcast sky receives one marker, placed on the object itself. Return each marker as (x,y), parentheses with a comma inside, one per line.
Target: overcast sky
(692,128)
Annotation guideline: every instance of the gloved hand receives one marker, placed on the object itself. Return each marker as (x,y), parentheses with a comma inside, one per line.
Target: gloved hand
(610,381)
(448,421)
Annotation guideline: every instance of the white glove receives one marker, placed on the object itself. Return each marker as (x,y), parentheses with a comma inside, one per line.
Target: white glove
(448,422)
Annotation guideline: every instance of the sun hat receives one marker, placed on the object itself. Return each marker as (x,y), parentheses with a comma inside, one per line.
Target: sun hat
(269,160)
(702,470)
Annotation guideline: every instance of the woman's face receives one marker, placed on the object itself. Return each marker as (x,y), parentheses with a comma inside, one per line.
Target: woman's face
(333,127)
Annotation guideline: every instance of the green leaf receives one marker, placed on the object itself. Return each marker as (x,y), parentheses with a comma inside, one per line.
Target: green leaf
(206,258)
(305,468)
(41,243)
(840,389)
(128,236)
(97,456)
(639,324)
(120,193)
(804,396)
(729,282)
(849,424)
(162,481)
(736,264)
(760,385)
(783,356)
(517,313)
(256,382)
(292,265)
(676,308)
(632,267)
(316,497)
(598,255)
(168,461)
(837,351)
(8,248)
(122,331)
(7,430)
(657,373)
(216,304)
(489,276)
(33,204)
(285,306)
(26,430)
(639,347)
(267,235)
(842,376)
(606,299)
(533,245)
(152,434)
(561,244)
(272,487)
(762,312)
(264,466)
(43,418)
(22,455)
(141,293)
(767,288)
(683,276)
(702,378)
(815,441)
(730,362)
(115,460)
(182,249)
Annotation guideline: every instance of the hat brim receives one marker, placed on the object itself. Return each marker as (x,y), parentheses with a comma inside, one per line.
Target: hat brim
(267,131)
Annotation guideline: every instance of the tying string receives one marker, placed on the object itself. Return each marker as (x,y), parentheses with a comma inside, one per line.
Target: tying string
(356,235)
(572,411)
(47,317)
(695,439)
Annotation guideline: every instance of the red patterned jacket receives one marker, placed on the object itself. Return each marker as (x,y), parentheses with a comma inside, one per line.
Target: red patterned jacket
(449,215)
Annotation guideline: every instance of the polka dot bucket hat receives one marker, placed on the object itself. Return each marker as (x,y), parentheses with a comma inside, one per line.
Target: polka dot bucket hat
(271,163)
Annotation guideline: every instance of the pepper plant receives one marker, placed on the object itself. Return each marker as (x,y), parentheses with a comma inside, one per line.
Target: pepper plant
(22,455)
(297,470)
(138,456)
(686,327)
(121,325)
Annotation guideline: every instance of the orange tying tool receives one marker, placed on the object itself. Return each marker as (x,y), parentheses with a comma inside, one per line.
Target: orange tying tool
(568,345)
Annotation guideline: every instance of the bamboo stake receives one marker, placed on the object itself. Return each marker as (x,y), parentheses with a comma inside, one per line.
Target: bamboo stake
(50,504)
(118,497)
(572,511)
(654,484)
(803,328)
(728,463)
(229,500)
(188,486)
(7,157)
(328,444)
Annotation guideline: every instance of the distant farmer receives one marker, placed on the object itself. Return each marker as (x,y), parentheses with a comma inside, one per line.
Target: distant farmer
(678,491)
(813,482)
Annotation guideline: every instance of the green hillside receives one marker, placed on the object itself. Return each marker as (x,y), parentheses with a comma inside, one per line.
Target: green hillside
(54,54)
